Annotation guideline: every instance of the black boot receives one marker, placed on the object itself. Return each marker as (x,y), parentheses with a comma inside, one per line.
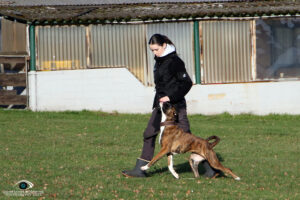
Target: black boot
(209,171)
(136,172)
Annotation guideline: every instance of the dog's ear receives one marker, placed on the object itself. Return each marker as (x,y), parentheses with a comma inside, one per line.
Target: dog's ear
(167,104)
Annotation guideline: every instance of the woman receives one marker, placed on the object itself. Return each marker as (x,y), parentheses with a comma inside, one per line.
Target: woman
(172,83)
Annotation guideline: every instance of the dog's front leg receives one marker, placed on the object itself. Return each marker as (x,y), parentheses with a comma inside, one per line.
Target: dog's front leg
(170,166)
(162,152)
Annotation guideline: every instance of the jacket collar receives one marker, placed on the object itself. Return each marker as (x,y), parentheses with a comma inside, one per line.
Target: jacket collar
(160,59)
(169,49)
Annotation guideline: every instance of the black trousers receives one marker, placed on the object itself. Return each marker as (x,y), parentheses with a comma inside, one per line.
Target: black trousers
(153,129)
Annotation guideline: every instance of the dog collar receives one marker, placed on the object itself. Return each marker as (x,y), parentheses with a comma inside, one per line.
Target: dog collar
(168,123)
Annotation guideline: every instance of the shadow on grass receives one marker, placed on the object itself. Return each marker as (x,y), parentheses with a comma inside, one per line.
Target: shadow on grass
(185,167)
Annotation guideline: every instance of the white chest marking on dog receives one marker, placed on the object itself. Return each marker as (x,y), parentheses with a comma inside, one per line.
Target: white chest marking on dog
(163,118)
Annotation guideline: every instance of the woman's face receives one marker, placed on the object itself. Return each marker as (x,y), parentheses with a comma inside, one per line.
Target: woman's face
(157,49)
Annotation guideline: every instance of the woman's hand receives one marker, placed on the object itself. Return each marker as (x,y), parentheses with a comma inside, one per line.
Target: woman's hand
(164,99)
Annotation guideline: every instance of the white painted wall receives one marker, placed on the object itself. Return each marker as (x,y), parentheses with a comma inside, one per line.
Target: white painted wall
(118,90)
(256,98)
(94,89)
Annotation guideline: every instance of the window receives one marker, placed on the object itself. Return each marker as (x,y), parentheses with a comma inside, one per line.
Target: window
(278,48)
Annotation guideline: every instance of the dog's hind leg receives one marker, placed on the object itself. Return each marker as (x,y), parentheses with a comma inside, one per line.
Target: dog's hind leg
(215,163)
(194,161)
(170,166)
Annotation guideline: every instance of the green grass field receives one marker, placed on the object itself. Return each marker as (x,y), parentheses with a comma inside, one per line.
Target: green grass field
(80,155)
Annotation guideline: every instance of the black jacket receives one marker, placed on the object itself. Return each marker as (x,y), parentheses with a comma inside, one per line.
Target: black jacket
(171,79)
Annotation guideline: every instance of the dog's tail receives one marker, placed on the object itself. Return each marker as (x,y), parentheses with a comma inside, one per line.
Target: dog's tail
(214,143)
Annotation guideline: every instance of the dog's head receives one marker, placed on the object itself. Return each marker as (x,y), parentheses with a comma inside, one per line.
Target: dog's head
(169,110)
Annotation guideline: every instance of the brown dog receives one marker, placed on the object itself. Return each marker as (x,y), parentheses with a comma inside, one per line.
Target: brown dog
(174,140)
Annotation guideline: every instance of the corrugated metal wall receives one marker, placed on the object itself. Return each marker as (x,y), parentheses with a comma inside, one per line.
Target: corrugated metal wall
(181,34)
(119,46)
(225,48)
(61,47)
(13,37)
(226,51)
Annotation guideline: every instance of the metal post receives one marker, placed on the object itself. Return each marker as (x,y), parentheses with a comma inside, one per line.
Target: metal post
(32,47)
(197,52)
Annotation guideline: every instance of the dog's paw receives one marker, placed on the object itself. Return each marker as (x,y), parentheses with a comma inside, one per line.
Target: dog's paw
(237,179)
(176,176)
(144,168)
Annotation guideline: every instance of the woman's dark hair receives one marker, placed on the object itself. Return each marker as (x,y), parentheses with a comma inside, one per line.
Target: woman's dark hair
(160,39)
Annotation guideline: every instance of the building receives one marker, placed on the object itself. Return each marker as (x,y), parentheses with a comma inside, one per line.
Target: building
(243,56)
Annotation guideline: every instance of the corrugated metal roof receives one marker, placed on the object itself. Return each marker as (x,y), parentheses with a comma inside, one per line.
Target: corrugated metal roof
(83,14)
(98,2)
